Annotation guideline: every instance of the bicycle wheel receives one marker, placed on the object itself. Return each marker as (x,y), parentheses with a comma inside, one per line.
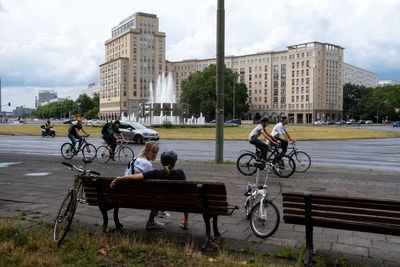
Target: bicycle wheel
(103,154)
(89,151)
(284,166)
(245,164)
(67,151)
(264,221)
(125,155)
(64,217)
(302,160)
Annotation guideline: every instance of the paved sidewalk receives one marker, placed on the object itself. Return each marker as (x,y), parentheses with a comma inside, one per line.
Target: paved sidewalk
(26,186)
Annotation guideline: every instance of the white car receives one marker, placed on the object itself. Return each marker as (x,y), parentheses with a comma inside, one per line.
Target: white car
(93,122)
(138,133)
(317,123)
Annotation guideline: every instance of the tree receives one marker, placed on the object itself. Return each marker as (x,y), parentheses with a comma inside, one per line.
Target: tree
(93,113)
(198,90)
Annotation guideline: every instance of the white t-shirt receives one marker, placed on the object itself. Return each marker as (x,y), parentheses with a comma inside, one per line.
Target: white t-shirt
(278,130)
(141,165)
(256,132)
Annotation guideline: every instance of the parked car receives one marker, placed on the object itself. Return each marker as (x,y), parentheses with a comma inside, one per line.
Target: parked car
(93,122)
(389,122)
(396,124)
(138,133)
(361,122)
(317,123)
(369,122)
(351,121)
(331,122)
(341,122)
(70,121)
(235,121)
(213,121)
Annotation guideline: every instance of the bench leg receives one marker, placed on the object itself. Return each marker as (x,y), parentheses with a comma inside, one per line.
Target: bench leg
(309,246)
(118,225)
(105,217)
(215,226)
(208,232)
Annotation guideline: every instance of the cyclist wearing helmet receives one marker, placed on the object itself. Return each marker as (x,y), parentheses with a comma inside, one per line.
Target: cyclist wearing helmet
(168,160)
(260,129)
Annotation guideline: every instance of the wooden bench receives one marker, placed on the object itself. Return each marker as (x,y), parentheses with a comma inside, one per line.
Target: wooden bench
(206,198)
(340,212)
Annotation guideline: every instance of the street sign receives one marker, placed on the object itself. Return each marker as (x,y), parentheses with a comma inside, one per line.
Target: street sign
(397,110)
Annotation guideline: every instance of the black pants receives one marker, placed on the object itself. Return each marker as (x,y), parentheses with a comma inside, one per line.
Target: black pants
(262,146)
(284,145)
(112,142)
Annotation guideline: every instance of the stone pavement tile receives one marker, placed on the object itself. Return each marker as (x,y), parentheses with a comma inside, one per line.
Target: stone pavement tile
(387,257)
(326,237)
(275,241)
(329,231)
(289,235)
(371,236)
(360,242)
(321,245)
(386,245)
(232,231)
(350,249)
(393,239)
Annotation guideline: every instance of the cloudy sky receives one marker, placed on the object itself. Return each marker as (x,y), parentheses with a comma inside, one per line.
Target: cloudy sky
(58,44)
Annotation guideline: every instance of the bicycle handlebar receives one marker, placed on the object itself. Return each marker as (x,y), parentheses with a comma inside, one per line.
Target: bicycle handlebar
(80,170)
(67,164)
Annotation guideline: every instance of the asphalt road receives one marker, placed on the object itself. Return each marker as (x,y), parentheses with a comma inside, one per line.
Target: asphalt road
(368,154)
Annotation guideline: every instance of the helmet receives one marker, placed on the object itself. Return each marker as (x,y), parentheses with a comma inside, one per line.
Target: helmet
(48,121)
(264,119)
(168,158)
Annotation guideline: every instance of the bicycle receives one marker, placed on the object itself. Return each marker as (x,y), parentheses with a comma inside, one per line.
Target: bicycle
(301,158)
(125,153)
(283,166)
(68,207)
(264,215)
(88,150)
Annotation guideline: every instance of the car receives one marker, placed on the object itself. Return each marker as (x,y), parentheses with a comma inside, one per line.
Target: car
(213,121)
(396,124)
(317,123)
(361,122)
(70,121)
(331,122)
(137,132)
(369,122)
(93,122)
(389,122)
(234,121)
(351,121)
(341,122)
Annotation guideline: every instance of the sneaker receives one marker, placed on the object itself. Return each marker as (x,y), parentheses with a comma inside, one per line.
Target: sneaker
(184,225)
(154,225)
(163,214)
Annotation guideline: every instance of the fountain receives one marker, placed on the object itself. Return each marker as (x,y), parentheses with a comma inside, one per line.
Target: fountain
(162,106)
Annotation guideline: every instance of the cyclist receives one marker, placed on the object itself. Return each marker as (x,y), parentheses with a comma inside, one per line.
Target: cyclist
(279,130)
(168,160)
(111,138)
(74,134)
(260,129)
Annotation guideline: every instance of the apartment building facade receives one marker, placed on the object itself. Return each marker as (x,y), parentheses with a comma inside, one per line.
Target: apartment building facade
(358,76)
(134,57)
(304,82)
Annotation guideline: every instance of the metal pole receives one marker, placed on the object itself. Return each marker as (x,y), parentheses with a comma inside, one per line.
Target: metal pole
(377,111)
(234,82)
(219,142)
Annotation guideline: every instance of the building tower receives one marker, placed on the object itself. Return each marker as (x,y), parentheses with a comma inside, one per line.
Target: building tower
(134,57)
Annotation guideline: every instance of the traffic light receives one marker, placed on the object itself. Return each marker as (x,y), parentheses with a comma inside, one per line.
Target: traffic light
(9,103)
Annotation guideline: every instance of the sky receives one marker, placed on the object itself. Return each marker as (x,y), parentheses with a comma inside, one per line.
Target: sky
(59,44)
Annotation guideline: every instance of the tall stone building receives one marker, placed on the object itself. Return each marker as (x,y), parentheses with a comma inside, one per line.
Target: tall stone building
(304,82)
(358,76)
(134,57)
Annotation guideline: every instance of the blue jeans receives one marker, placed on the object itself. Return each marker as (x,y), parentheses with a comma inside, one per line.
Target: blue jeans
(73,137)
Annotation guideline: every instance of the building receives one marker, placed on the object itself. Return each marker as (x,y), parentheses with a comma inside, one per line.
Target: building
(22,111)
(45,96)
(134,57)
(388,82)
(44,103)
(91,90)
(358,76)
(304,82)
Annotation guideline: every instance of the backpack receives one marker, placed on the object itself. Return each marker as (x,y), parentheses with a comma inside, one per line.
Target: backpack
(130,169)
(104,130)
(70,127)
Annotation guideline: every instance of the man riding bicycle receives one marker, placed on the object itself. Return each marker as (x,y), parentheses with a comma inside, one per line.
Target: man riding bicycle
(260,129)
(111,138)
(74,134)
(280,129)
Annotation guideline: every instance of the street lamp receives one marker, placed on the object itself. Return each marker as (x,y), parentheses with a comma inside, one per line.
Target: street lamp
(79,105)
(233,99)
(69,107)
(377,111)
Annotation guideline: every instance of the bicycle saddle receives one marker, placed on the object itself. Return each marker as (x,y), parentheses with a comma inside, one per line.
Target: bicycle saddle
(87,160)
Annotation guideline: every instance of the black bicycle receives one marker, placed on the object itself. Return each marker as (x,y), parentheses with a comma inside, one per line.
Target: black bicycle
(68,151)
(301,158)
(68,207)
(283,165)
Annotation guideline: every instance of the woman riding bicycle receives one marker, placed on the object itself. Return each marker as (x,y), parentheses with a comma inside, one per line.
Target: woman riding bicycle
(260,129)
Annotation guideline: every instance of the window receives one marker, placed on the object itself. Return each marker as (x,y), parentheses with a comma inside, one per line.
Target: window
(249,69)
(265,68)
(276,68)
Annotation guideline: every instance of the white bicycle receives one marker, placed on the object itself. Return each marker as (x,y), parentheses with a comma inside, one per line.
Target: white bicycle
(260,210)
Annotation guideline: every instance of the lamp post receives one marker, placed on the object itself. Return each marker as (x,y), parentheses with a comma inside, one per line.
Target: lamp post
(377,111)
(233,99)
(69,107)
(79,107)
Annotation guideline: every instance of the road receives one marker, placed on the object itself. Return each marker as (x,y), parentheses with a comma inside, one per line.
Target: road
(367,154)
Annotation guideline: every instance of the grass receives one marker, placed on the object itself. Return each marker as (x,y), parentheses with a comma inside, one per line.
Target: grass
(230,133)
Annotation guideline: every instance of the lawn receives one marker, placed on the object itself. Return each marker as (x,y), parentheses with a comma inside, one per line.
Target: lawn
(230,133)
